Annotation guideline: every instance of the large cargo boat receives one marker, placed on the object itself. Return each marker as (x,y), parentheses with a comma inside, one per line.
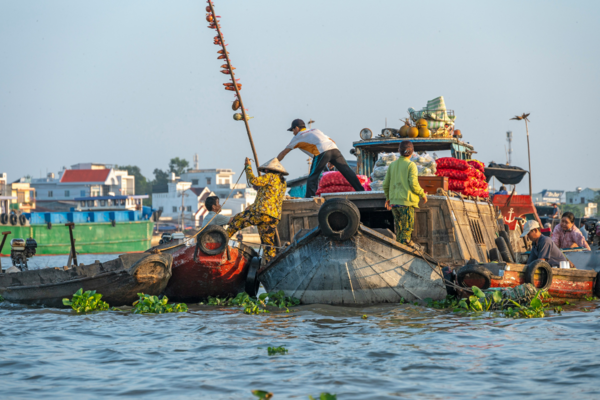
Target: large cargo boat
(108,224)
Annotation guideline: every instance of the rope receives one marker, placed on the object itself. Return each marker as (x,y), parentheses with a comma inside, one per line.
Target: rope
(459,227)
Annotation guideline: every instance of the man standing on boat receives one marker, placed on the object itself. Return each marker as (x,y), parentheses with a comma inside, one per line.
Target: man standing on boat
(265,212)
(323,150)
(543,247)
(213,217)
(403,192)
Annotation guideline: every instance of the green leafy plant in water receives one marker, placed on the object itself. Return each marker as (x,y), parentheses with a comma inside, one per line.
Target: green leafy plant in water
(591,298)
(262,394)
(86,301)
(448,302)
(535,309)
(147,304)
(586,309)
(402,301)
(255,306)
(1,299)
(324,396)
(558,309)
(480,302)
(277,350)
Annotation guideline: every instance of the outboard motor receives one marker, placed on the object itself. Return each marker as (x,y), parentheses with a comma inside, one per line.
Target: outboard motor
(21,250)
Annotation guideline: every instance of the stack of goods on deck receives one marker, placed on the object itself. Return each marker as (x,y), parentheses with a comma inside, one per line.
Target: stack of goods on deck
(426,166)
(334,182)
(464,177)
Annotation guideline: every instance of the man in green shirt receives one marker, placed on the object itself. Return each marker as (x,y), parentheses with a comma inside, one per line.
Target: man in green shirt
(402,193)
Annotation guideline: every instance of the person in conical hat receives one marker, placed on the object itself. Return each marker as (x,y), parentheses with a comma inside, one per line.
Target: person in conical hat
(265,212)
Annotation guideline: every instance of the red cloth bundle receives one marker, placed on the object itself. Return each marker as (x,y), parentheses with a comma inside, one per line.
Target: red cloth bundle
(451,163)
(477,165)
(453,174)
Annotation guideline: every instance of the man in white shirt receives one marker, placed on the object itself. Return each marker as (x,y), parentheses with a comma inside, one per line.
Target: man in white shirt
(213,217)
(323,150)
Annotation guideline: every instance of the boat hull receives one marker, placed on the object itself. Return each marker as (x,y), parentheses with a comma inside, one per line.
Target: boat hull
(368,268)
(566,283)
(90,238)
(210,276)
(119,281)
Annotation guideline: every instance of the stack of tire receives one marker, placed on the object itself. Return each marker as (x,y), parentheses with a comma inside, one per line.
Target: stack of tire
(334,182)
(464,177)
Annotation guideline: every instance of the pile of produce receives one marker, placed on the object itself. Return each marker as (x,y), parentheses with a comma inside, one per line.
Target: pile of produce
(334,182)
(464,177)
(426,166)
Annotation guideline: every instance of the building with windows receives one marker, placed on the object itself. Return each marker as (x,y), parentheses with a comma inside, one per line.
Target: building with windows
(582,196)
(546,197)
(82,180)
(16,196)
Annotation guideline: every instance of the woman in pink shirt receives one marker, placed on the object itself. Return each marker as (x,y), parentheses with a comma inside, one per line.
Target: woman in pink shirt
(566,235)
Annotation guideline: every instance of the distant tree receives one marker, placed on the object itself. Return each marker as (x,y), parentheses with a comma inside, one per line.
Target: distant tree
(576,209)
(178,166)
(160,177)
(141,183)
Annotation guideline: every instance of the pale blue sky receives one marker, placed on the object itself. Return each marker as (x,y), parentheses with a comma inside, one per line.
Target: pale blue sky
(138,82)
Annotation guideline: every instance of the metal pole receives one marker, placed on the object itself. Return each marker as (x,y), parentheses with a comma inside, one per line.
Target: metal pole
(237,91)
(71,227)
(4,234)
(528,156)
(182,210)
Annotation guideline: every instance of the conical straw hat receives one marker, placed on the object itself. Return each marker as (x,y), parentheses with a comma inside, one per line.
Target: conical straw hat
(273,165)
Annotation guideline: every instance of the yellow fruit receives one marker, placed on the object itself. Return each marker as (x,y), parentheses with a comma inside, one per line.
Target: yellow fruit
(404,131)
(413,132)
(422,123)
(424,132)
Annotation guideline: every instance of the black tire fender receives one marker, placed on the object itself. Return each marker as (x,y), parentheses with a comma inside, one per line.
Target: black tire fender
(495,255)
(113,223)
(4,219)
(49,225)
(477,270)
(503,248)
(534,267)
(252,282)
(506,238)
(339,219)
(22,220)
(212,234)
(13,219)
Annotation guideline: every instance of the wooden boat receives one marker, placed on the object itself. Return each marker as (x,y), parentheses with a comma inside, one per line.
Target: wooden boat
(119,281)
(210,267)
(367,268)
(561,283)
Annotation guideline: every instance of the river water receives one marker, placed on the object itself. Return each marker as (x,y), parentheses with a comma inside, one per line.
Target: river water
(398,351)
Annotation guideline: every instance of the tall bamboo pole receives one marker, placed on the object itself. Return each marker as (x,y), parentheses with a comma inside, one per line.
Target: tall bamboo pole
(528,156)
(237,91)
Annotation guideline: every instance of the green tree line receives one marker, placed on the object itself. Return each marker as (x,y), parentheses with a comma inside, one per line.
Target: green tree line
(144,185)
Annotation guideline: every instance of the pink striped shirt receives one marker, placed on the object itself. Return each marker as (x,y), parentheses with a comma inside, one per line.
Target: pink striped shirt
(565,239)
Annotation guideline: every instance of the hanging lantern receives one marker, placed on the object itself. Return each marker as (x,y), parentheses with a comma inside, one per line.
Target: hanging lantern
(208,9)
(235,105)
(209,18)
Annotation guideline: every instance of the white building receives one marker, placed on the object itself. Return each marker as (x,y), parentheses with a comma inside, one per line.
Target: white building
(582,196)
(548,197)
(82,180)
(196,186)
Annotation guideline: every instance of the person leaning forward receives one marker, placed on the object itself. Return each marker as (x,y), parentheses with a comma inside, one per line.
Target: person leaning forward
(323,150)
(265,212)
(543,248)
(402,192)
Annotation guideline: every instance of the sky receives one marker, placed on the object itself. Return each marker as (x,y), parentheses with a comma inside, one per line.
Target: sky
(138,82)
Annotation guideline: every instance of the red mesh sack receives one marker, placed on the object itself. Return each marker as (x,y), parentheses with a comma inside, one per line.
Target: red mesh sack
(335,178)
(457,186)
(453,174)
(477,165)
(451,163)
(476,183)
(335,189)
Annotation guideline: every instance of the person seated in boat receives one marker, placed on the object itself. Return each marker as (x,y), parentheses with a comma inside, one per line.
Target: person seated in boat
(502,190)
(403,192)
(555,211)
(323,151)
(543,248)
(265,212)
(566,235)
(213,217)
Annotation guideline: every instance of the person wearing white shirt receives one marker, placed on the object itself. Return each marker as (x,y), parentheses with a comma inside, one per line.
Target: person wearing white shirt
(213,217)
(323,150)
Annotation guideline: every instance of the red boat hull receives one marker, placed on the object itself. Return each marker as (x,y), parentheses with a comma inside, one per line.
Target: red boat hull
(566,283)
(212,276)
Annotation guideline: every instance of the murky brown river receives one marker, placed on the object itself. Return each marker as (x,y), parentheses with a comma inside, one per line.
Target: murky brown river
(401,351)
